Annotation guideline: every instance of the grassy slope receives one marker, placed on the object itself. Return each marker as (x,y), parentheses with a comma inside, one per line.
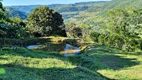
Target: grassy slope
(119,4)
(113,63)
(123,4)
(100,10)
(38,65)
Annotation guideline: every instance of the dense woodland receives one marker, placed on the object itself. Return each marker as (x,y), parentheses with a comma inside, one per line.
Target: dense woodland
(113,25)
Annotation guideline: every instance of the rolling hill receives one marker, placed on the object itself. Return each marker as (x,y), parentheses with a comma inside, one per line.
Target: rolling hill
(15,13)
(119,4)
(98,8)
(67,10)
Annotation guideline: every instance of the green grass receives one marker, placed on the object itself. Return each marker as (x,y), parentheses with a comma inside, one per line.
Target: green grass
(26,64)
(112,63)
(98,63)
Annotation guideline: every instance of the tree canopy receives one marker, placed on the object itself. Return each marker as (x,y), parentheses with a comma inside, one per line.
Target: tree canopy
(10,27)
(123,29)
(44,21)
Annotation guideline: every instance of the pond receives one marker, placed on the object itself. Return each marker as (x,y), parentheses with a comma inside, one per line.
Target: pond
(65,49)
(33,46)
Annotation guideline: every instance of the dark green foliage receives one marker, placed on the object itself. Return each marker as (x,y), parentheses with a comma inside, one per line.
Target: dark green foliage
(123,29)
(74,31)
(124,24)
(95,36)
(11,27)
(77,32)
(46,22)
(1,5)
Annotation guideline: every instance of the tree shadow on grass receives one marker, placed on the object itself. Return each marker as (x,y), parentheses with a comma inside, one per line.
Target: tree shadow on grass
(13,71)
(96,58)
(101,57)
(139,53)
(32,53)
(18,72)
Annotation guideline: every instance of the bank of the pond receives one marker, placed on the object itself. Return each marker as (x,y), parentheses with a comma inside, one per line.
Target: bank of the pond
(24,42)
(36,41)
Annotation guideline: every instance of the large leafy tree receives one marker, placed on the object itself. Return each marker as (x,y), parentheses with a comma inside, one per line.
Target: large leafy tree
(124,27)
(44,21)
(3,19)
(10,27)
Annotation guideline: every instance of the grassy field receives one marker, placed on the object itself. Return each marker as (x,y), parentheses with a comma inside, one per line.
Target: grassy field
(98,63)
(115,64)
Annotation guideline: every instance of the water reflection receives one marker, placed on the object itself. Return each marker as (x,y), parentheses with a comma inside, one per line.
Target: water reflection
(65,49)
(69,49)
(33,46)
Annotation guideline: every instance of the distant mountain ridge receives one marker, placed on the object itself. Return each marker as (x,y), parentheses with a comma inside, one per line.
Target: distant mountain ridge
(67,10)
(71,10)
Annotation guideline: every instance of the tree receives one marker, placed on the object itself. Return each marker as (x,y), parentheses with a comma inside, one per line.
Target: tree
(1,5)
(95,36)
(16,28)
(10,27)
(2,19)
(44,21)
(124,26)
(73,30)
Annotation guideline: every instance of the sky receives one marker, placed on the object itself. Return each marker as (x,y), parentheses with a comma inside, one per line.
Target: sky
(42,2)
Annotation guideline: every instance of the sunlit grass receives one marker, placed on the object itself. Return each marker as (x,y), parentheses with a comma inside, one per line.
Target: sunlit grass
(24,64)
(126,73)
(115,64)
(2,71)
(111,63)
(35,62)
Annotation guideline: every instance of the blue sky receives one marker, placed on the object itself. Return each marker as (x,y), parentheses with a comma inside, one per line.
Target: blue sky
(42,2)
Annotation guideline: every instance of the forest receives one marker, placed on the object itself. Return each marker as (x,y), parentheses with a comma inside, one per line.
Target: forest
(98,40)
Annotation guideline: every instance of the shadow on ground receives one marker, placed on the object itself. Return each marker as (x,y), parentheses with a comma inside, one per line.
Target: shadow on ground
(18,72)
(96,58)
(101,57)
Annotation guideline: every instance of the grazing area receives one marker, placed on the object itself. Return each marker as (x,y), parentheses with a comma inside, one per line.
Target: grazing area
(72,40)
(99,63)
(36,65)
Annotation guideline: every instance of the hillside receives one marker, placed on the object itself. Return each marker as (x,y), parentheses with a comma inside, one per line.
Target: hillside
(67,10)
(102,10)
(122,4)
(119,4)
(95,41)
(15,13)
(71,10)
(98,63)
